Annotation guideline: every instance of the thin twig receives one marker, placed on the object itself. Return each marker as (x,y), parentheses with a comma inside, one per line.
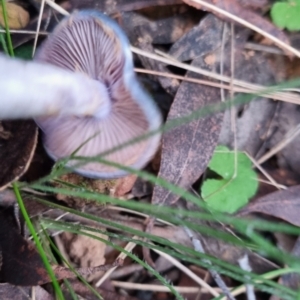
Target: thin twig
(24,31)
(265,173)
(160,288)
(244,264)
(129,247)
(188,272)
(38,26)
(57,7)
(219,281)
(283,96)
(293,98)
(233,108)
(222,58)
(288,138)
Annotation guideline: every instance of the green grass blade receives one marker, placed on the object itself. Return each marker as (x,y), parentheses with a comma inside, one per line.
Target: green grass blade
(8,37)
(37,242)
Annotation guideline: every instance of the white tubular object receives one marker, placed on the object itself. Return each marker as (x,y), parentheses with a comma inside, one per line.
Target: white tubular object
(32,89)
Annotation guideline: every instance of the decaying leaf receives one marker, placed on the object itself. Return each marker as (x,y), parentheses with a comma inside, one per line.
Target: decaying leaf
(195,43)
(287,122)
(283,204)
(292,280)
(187,149)
(234,7)
(17,16)
(17,149)
(82,250)
(163,31)
(253,120)
(144,41)
(21,264)
(9,292)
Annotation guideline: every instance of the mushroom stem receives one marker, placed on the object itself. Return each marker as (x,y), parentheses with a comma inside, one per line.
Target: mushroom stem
(31,89)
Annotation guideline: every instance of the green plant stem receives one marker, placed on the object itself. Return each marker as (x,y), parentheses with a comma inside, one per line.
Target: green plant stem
(231,271)
(10,46)
(56,250)
(269,275)
(3,42)
(37,242)
(133,257)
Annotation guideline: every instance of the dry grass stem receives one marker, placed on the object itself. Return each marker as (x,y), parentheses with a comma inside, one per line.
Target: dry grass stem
(252,88)
(265,173)
(38,26)
(289,137)
(225,13)
(57,7)
(160,288)
(24,31)
(129,247)
(122,209)
(283,96)
(188,272)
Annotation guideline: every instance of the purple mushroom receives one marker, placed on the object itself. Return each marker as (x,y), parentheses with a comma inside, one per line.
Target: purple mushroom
(91,44)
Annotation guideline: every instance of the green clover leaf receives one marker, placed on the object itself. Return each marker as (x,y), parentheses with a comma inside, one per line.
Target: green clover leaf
(229,193)
(286,14)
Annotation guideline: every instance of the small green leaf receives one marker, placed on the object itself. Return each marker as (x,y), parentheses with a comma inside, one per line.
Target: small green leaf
(24,52)
(229,193)
(286,14)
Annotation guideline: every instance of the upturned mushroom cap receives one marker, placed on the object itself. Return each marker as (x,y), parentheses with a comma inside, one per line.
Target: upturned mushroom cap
(89,42)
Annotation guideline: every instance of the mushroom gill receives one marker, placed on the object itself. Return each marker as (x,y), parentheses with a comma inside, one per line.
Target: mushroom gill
(90,43)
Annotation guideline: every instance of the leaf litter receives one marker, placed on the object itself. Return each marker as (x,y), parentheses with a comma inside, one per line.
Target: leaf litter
(201,38)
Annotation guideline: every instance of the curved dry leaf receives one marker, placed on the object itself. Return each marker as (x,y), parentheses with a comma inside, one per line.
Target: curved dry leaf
(283,204)
(86,252)
(162,31)
(18,140)
(292,280)
(144,42)
(21,263)
(195,43)
(9,291)
(187,149)
(17,16)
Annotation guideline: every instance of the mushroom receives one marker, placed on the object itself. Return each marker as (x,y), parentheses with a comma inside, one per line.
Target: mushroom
(93,45)
(83,93)
(31,89)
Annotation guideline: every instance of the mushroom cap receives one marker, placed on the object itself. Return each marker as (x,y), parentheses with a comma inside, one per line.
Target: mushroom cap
(93,44)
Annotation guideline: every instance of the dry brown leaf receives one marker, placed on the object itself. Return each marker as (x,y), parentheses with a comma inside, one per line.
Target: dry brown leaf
(9,291)
(17,149)
(283,204)
(187,149)
(84,251)
(20,263)
(17,16)
(234,7)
